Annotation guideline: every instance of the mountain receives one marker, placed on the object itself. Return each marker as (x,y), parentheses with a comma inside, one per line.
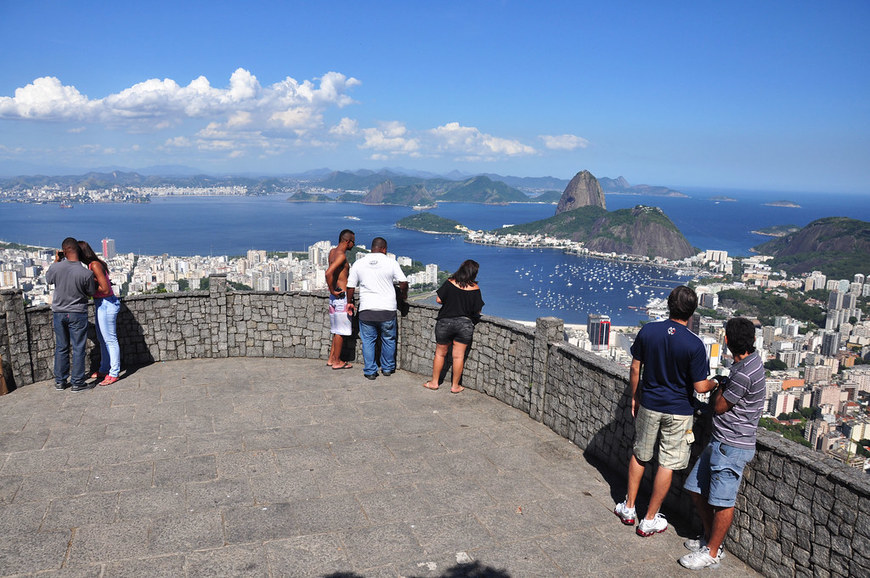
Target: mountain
(582,191)
(530,184)
(638,231)
(387,193)
(303,197)
(620,186)
(836,246)
(547,197)
(483,190)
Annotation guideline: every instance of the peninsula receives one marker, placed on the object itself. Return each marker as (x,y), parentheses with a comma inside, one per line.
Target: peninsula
(786,204)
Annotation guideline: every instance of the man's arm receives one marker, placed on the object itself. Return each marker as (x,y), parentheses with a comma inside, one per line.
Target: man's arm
(403,290)
(634,381)
(720,404)
(705,385)
(350,291)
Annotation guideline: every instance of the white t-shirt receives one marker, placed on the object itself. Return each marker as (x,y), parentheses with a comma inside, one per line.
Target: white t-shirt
(373,276)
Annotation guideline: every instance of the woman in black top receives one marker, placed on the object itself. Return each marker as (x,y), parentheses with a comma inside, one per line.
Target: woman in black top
(460,309)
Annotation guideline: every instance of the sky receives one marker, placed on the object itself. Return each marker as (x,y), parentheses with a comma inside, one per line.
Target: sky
(770,95)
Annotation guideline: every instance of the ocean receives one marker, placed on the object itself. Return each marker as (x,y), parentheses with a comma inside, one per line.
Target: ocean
(518,284)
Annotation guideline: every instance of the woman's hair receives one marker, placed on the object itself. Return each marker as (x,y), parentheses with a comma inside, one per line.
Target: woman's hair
(88,256)
(466,274)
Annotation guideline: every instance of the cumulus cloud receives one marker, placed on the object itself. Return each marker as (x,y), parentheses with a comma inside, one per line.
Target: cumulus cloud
(564,142)
(389,138)
(345,127)
(162,103)
(468,141)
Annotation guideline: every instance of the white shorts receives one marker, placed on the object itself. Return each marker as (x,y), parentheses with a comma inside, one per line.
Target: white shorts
(339,320)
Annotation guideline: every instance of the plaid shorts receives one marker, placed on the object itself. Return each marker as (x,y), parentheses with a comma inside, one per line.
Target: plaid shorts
(675,442)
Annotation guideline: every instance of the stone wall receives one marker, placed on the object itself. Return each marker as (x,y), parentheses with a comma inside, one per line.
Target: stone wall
(798,513)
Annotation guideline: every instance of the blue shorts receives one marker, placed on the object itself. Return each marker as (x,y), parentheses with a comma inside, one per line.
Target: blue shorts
(718,472)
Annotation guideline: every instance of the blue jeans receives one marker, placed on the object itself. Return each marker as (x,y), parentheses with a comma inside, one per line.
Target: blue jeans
(70,331)
(718,472)
(368,333)
(110,352)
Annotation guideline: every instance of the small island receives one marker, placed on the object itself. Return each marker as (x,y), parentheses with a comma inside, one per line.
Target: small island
(777,230)
(786,204)
(723,199)
(432,224)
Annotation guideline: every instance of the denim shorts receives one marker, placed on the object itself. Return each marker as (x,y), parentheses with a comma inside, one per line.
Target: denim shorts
(718,472)
(674,442)
(450,329)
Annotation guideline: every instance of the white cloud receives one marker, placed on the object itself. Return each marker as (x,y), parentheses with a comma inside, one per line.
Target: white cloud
(164,103)
(564,142)
(390,139)
(467,141)
(345,127)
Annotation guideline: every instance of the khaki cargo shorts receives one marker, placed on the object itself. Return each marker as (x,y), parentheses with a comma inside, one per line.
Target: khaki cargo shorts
(675,442)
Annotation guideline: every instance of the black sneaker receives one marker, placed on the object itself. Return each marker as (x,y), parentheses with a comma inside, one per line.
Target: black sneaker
(371,377)
(83,387)
(387,373)
(61,386)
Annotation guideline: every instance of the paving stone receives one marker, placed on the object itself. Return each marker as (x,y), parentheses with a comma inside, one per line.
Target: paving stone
(183,533)
(316,555)
(121,477)
(181,470)
(32,552)
(106,542)
(93,508)
(248,561)
(22,517)
(155,567)
(451,533)
(151,503)
(212,494)
(30,462)
(379,545)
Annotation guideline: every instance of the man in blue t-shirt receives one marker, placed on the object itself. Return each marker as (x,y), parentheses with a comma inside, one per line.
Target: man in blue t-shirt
(737,405)
(669,363)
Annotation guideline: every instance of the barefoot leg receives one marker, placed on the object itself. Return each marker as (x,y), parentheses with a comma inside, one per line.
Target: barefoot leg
(438,363)
(458,364)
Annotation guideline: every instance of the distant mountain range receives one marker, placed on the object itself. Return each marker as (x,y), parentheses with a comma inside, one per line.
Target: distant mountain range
(836,246)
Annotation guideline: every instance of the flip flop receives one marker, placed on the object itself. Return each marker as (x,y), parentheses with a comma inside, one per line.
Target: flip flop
(460,390)
(346,365)
(427,386)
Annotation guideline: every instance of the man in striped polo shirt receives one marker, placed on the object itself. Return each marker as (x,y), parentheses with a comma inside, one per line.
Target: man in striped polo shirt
(737,405)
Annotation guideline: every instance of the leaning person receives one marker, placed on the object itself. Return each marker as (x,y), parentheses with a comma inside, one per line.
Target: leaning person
(713,482)
(106,308)
(73,285)
(336,280)
(669,363)
(376,275)
(461,303)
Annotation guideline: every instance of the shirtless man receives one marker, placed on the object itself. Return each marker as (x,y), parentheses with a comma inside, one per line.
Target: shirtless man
(339,309)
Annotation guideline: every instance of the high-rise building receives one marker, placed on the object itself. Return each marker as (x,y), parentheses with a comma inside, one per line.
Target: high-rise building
(598,328)
(109,249)
(830,343)
(714,351)
(782,402)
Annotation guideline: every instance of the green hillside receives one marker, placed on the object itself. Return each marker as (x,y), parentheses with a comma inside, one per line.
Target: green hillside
(836,246)
(430,223)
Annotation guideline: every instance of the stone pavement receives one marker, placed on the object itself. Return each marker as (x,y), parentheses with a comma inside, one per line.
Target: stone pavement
(283,467)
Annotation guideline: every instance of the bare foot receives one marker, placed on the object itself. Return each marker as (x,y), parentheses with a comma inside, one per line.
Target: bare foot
(456,389)
(428,385)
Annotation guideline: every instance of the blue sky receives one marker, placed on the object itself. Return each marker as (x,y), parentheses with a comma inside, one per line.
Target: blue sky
(754,95)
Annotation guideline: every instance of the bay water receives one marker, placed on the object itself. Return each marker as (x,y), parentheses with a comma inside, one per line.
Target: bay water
(518,284)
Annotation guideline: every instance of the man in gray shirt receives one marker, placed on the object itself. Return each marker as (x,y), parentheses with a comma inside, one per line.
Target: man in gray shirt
(73,284)
(713,482)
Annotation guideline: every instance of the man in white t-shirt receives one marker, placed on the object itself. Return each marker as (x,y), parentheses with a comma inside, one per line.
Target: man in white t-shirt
(375,275)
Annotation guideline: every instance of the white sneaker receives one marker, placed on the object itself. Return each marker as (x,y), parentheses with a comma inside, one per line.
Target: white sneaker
(700,559)
(655,526)
(695,544)
(626,514)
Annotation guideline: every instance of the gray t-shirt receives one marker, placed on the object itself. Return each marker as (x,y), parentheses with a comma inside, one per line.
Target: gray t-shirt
(73,284)
(745,389)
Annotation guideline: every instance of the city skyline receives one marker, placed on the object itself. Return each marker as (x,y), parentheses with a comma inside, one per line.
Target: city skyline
(748,96)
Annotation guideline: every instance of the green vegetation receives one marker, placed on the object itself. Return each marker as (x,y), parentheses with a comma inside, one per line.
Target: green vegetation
(183,285)
(862,448)
(836,246)
(430,222)
(775,365)
(767,305)
(794,433)
(548,197)
(18,247)
(778,230)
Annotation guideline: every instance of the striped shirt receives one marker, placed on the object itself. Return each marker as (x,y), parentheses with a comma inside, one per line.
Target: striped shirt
(745,389)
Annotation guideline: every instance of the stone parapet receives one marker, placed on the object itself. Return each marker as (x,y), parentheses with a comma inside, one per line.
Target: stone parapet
(798,513)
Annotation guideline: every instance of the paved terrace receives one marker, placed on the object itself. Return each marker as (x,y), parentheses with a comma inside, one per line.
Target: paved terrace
(283,467)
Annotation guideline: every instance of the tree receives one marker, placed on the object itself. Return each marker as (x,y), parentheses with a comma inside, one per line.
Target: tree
(783,417)
(775,365)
